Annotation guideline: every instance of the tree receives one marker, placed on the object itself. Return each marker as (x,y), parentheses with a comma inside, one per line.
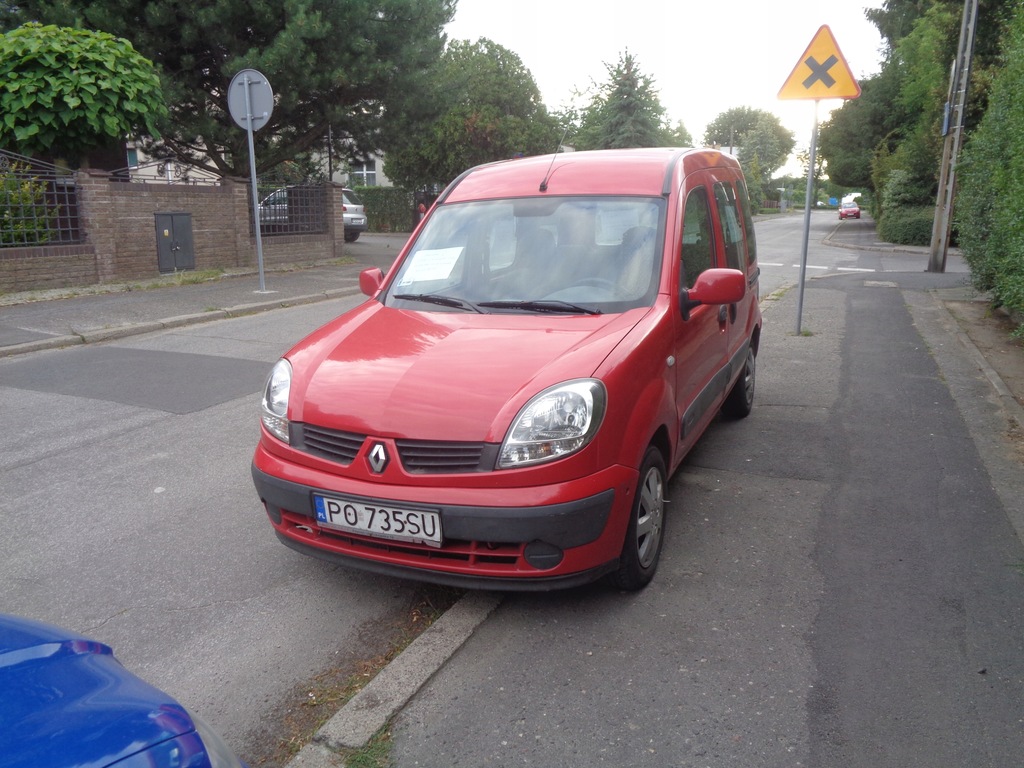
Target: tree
(679,136)
(344,68)
(626,112)
(753,131)
(490,109)
(65,91)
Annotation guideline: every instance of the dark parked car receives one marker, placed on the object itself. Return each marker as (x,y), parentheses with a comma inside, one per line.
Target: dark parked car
(66,701)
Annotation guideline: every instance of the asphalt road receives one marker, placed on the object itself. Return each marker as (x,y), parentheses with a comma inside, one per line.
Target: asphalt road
(838,585)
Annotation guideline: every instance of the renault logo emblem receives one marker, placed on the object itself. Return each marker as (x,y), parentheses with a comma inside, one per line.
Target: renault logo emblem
(378,457)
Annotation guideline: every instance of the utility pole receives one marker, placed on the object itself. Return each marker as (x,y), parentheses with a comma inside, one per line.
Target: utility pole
(953,124)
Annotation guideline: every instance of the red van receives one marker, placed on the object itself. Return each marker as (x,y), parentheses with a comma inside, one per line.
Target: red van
(506,409)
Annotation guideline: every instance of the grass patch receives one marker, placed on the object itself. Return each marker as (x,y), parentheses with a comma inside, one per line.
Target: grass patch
(314,702)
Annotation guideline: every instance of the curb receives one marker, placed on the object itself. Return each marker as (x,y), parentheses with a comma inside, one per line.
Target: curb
(372,708)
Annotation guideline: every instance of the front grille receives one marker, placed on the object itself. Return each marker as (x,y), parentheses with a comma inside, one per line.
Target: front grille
(331,444)
(426,457)
(461,556)
(437,457)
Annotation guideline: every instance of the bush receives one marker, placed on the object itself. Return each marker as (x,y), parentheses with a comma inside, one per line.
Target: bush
(388,209)
(25,218)
(907,226)
(988,218)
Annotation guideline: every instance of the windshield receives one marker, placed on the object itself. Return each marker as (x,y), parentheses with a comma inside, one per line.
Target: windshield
(546,254)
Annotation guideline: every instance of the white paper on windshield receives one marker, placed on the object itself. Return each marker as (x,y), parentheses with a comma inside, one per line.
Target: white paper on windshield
(436,264)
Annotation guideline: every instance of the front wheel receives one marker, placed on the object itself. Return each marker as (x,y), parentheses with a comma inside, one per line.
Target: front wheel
(645,534)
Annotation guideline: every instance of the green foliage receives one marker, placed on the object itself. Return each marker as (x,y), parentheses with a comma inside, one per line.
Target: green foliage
(388,209)
(907,226)
(756,133)
(25,219)
(489,109)
(363,68)
(901,216)
(988,214)
(626,112)
(65,91)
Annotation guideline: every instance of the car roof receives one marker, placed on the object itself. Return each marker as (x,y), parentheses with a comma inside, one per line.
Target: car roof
(599,172)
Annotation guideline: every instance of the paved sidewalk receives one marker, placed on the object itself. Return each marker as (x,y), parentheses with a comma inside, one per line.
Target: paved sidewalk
(45,320)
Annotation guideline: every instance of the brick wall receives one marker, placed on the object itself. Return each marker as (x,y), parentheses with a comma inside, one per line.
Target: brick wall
(119,222)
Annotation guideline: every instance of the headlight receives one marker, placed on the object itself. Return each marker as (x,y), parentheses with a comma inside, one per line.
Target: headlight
(557,422)
(274,409)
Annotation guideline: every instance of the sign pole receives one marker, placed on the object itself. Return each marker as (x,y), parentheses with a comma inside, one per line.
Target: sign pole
(807,218)
(250,108)
(821,73)
(252,178)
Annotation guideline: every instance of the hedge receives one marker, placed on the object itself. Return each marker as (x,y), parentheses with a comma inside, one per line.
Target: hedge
(388,209)
(907,225)
(988,217)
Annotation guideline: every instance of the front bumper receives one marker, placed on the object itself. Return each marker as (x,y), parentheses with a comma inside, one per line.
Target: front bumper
(512,546)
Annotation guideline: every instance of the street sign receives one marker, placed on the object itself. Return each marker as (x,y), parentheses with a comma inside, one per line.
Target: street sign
(250,99)
(822,72)
(250,103)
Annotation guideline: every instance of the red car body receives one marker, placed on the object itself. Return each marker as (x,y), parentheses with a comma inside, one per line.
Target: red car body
(465,427)
(849,210)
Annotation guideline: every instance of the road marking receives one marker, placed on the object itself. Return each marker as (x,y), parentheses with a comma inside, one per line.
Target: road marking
(813,266)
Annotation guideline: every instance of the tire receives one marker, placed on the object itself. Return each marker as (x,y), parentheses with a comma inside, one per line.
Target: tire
(645,534)
(740,400)
(351,237)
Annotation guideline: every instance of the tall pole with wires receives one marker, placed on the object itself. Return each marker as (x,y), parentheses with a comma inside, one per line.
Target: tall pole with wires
(953,127)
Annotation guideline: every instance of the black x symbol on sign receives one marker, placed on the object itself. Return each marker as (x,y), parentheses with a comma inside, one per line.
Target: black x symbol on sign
(820,71)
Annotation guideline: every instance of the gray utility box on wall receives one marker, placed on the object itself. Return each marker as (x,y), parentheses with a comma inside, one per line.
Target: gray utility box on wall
(175,248)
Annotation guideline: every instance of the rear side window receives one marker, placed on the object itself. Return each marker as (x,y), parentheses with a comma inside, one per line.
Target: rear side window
(698,240)
(748,221)
(732,231)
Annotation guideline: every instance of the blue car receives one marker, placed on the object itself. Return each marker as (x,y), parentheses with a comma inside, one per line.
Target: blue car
(66,701)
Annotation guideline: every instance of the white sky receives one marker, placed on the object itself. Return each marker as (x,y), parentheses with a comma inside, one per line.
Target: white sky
(705,57)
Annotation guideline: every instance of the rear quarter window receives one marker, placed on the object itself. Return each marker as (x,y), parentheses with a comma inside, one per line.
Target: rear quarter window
(731,228)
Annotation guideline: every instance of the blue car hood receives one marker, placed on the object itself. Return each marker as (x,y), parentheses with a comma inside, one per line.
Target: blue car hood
(66,701)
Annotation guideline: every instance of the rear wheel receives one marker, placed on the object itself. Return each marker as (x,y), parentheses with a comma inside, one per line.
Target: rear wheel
(740,400)
(645,534)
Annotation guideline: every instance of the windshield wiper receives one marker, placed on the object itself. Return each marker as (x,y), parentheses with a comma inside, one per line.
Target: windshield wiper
(541,306)
(437,298)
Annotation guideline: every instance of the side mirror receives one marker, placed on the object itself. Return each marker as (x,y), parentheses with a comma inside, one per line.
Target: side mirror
(713,286)
(370,280)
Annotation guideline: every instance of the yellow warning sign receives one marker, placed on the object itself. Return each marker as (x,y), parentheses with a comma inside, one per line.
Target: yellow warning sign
(822,72)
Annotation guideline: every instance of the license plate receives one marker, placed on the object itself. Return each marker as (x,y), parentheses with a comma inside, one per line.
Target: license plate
(414,525)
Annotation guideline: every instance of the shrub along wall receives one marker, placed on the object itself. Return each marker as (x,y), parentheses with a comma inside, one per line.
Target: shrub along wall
(388,209)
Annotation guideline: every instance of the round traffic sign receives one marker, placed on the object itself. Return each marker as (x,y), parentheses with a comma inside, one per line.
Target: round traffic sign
(260,102)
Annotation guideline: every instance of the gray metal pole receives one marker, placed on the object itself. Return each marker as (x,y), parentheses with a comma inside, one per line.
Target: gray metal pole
(252,178)
(807,219)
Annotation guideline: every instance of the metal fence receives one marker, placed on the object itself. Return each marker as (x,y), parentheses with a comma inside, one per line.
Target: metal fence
(38,203)
(168,171)
(291,209)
